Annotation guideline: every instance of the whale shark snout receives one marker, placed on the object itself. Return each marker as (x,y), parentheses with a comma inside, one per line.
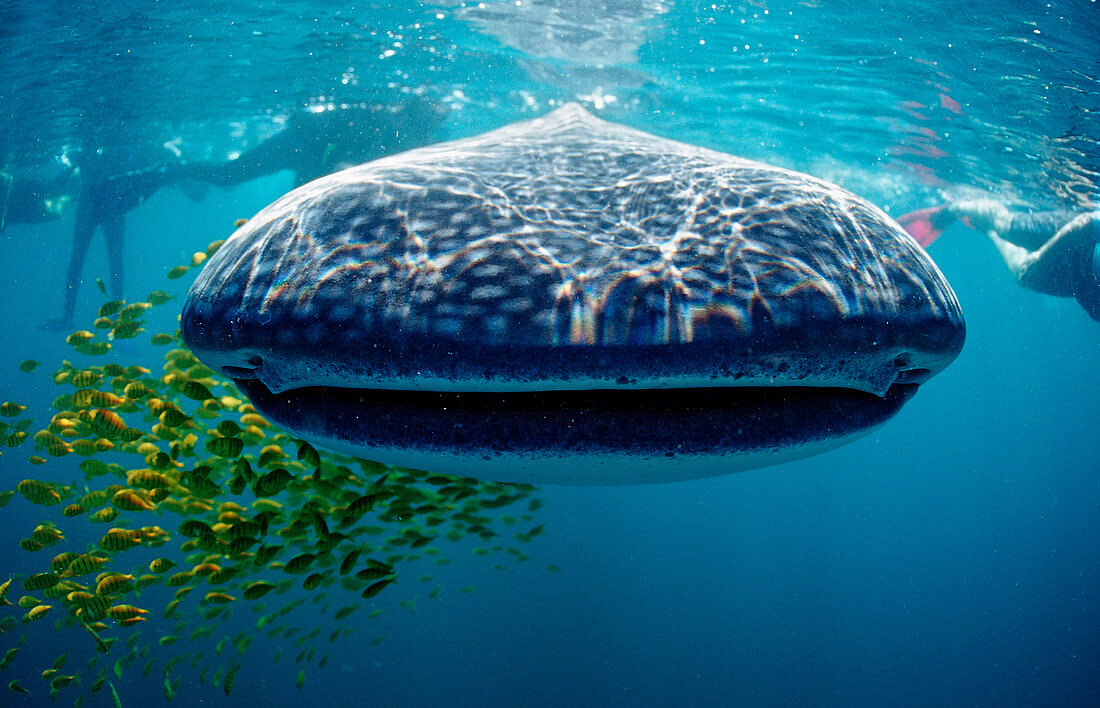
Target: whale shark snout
(570,300)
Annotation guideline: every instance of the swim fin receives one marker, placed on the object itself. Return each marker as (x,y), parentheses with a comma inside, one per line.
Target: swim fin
(926,225)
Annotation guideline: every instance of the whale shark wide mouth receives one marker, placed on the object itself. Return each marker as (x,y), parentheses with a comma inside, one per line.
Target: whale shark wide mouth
(721,418)
(639,435)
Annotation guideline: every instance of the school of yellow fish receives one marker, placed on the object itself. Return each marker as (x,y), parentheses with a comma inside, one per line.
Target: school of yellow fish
(235,509)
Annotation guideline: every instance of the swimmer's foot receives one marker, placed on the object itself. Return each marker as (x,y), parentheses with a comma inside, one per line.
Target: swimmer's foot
(59,325)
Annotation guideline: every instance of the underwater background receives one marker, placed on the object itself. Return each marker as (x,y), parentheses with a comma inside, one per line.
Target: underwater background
(949,557)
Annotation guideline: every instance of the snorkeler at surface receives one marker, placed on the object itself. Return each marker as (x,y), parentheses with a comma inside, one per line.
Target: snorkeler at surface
(315,143)
(1052,252)
(114,181)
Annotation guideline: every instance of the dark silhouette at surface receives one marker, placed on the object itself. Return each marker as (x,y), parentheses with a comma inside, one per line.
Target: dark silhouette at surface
(113,182)
(318,142)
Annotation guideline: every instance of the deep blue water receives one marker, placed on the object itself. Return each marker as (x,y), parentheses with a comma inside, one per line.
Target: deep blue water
(950,557)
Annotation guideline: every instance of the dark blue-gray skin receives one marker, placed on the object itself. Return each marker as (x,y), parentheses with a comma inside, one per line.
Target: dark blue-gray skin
(567,300)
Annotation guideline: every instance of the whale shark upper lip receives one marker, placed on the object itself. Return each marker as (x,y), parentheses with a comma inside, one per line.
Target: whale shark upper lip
(456,367)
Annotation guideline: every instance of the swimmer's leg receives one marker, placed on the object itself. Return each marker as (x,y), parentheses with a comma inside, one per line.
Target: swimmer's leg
(1053,268)
(983,215)
(1018,260)
(82,238)
(114,231)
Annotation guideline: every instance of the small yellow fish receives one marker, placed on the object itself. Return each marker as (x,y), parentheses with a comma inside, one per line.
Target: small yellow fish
(130,500)
(300,563)
(133,311)
(10,409)
(111,307)
(107,422)
(36,612)
(196,391)
(40,581)
(126,330)
(225,447)
(118,540)
(60,682)
(113,584)
(62,561)
(256,590)
(376,588)
(161,565)
(80,337)
(124,612)
(84,564)
(105,516)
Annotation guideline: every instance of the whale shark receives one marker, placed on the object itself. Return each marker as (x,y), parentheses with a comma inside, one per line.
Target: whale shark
(568,300)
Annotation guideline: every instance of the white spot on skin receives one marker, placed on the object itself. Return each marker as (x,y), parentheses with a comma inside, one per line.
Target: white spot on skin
(516,305)
(487,292)
(489,270)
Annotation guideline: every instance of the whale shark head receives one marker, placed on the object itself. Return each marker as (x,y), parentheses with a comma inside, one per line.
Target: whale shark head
(567,300)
